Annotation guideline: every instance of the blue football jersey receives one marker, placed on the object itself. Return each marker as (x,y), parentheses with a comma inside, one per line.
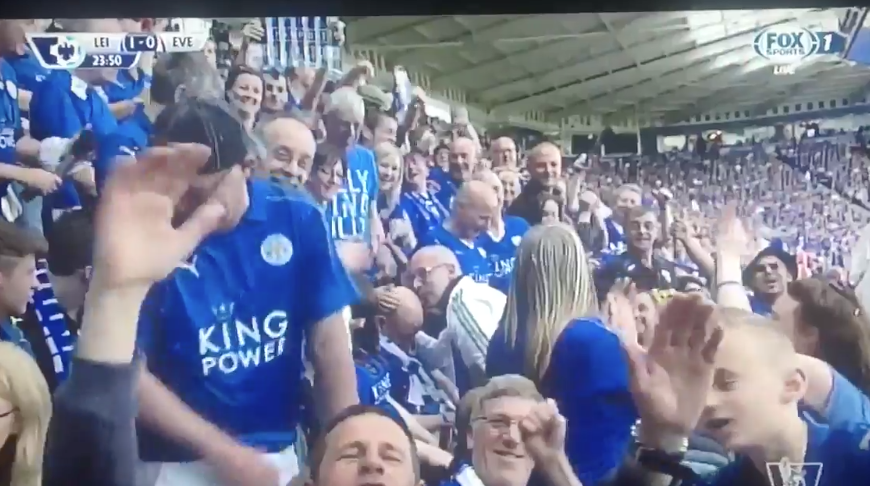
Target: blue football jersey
(502,253)
(472,257)
(10,117)
(225,330)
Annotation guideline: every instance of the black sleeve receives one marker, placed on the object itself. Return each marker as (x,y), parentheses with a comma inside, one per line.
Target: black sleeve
(91,438)
(591,236)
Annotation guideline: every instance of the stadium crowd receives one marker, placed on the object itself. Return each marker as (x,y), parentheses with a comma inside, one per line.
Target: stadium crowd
(218,274)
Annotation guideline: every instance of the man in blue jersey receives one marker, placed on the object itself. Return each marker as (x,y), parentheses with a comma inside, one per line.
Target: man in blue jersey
(220,402)
(290,149)
(473,209)
(737,379)
(502,238)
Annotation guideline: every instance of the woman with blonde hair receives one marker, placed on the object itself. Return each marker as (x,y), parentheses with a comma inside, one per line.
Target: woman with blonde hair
(25,410)
(551,334)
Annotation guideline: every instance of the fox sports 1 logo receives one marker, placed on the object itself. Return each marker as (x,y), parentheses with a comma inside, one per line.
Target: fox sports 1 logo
(783,46)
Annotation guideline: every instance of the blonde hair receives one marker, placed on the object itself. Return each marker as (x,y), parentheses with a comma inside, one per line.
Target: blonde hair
(22,383)
(386,150)
(551,286)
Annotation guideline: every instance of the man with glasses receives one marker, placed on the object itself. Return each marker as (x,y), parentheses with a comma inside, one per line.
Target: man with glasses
(514,431)
(462,313)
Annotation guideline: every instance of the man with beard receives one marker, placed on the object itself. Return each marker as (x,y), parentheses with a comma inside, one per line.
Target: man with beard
(638,262)
(545,170)
(767,276)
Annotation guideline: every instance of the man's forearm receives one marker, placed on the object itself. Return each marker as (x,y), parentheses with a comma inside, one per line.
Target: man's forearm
(333,366)
(163,411)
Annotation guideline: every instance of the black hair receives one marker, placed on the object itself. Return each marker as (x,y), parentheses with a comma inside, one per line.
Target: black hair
(238,70)
(319,450)
(206,122)
(326,153)
(70,242)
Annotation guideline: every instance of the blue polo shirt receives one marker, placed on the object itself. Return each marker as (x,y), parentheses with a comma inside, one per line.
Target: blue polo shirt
(224,331)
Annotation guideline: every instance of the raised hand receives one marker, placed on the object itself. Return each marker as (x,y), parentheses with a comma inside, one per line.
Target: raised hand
(543,431)
(619,310)
(732,236)
(670,382)
(136,243)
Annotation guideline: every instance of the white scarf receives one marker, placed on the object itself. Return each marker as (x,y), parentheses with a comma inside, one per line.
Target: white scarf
(421,383)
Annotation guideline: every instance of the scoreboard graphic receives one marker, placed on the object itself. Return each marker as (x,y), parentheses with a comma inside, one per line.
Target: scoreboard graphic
(118,51)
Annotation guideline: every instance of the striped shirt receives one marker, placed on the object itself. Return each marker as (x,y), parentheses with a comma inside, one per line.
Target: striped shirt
(51,317)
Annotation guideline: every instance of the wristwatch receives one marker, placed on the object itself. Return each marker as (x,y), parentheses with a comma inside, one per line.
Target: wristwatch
(669,463)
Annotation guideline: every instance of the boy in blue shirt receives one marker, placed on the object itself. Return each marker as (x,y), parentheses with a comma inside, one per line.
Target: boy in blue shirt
(223,334)
(473,210)
(737,379)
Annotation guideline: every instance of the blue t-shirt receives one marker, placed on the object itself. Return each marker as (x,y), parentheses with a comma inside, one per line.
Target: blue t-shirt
(126,87)
(503,253)
(423,211)
(846,405)
(62,106)
(834,457)
(472,257)
(350,212)
(588,379)
(224,331)
(10,117)
(131,137)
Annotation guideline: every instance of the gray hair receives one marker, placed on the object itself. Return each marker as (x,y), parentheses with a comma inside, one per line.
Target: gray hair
(506,386)
(185,74)
(347,101)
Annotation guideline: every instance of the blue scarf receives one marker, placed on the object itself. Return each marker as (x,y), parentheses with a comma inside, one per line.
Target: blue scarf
(51,317)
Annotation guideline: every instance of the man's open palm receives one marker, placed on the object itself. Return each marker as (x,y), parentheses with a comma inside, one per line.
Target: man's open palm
(136,244)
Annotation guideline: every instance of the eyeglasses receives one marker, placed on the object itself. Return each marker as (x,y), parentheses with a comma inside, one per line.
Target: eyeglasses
(424,273)
(499,423)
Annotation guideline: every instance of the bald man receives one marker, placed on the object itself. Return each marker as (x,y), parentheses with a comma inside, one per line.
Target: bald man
(545,171)
(504,153)
(463,164)
(504,235)
(290,148)
(419,388)
(472,211)
(461,315)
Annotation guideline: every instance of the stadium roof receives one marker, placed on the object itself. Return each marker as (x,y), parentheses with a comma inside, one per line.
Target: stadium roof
(670,64)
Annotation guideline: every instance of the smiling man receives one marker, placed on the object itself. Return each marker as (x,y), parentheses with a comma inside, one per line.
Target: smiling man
(637,262)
